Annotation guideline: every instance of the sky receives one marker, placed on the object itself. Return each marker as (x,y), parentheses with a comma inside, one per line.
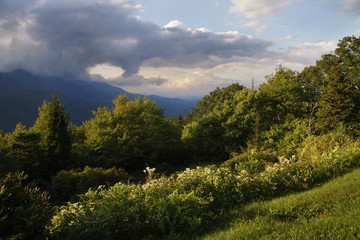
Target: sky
(183,48)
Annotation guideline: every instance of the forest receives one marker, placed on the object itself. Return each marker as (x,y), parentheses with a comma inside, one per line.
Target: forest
(130,173)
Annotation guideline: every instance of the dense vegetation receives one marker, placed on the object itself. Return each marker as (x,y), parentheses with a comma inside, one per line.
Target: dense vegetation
(236,146)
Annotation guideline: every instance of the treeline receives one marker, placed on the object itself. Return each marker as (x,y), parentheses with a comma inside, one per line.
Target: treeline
(118,143)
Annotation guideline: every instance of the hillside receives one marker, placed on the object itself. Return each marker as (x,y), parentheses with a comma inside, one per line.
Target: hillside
(331,211)
(22,93)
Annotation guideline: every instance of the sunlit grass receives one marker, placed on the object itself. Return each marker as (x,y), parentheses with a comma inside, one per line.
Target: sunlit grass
(331,211)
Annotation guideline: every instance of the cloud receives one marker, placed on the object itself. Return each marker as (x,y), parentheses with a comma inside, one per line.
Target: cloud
(351,7)
(66,38)
(287,38)
(253,23)
(259,8)
(301,55)
(137,80)
(258,28)
(173,24)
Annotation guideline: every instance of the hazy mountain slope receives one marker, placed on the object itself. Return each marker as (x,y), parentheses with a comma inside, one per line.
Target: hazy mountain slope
(21,93)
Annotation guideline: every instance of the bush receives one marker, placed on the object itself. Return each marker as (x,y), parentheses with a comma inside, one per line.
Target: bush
(253,161)
(66,185)
(189,201)
(127,212)
(24,208)
(159,207)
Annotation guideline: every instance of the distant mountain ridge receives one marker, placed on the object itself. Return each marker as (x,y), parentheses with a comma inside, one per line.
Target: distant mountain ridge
(21,93)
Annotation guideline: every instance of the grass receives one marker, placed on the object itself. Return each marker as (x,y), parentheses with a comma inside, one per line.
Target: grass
(331,211)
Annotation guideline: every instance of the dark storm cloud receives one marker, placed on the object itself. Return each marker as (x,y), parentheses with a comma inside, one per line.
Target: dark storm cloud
(67,37)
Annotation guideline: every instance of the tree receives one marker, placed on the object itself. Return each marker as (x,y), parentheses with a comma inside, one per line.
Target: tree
(312,81)
(204,139)
(348,51)
(340,99)
(215,99)
(220,123)
(243,120)
(132,134)
(54,126)
(336,105)
(282,96)
(23,152)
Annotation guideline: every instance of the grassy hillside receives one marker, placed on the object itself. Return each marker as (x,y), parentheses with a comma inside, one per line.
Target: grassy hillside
(331,211)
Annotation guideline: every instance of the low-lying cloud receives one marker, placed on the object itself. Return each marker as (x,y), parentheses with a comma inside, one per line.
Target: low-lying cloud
(137,80)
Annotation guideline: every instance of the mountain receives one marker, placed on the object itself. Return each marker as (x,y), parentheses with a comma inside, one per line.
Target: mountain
(21,93)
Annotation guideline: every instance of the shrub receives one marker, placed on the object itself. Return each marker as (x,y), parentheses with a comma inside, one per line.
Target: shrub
(165,206)
(24,209)
(66,185)
(127,212)
(187,202)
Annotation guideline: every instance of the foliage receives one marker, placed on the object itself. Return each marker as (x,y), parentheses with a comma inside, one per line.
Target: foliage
(222,123)
(187,202)
(54,127)
(23,152)
(340,101)
(242,120)
(337,105)
(205,139)
(294,132)
(132,135)
(285,138)
(126,212)
(282,96)
(66,185)
(166,206)
(24,209)
(215,99)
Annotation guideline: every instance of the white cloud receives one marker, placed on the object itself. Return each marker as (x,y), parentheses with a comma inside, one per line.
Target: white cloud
(287,38)
(259,8)
(300,55)
(173,24)
(250,24)
(260,29)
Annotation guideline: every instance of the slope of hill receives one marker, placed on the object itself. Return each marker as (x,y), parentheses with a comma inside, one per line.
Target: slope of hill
(21,93)
(331,211)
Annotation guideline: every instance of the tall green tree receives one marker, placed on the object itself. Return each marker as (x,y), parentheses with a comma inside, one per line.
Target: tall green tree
(340,99)
(336,104)
(219,124)
(312,81)
(348,51)
(215,99)
(53,124)
(282,96)
(132,134)
(243,120)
